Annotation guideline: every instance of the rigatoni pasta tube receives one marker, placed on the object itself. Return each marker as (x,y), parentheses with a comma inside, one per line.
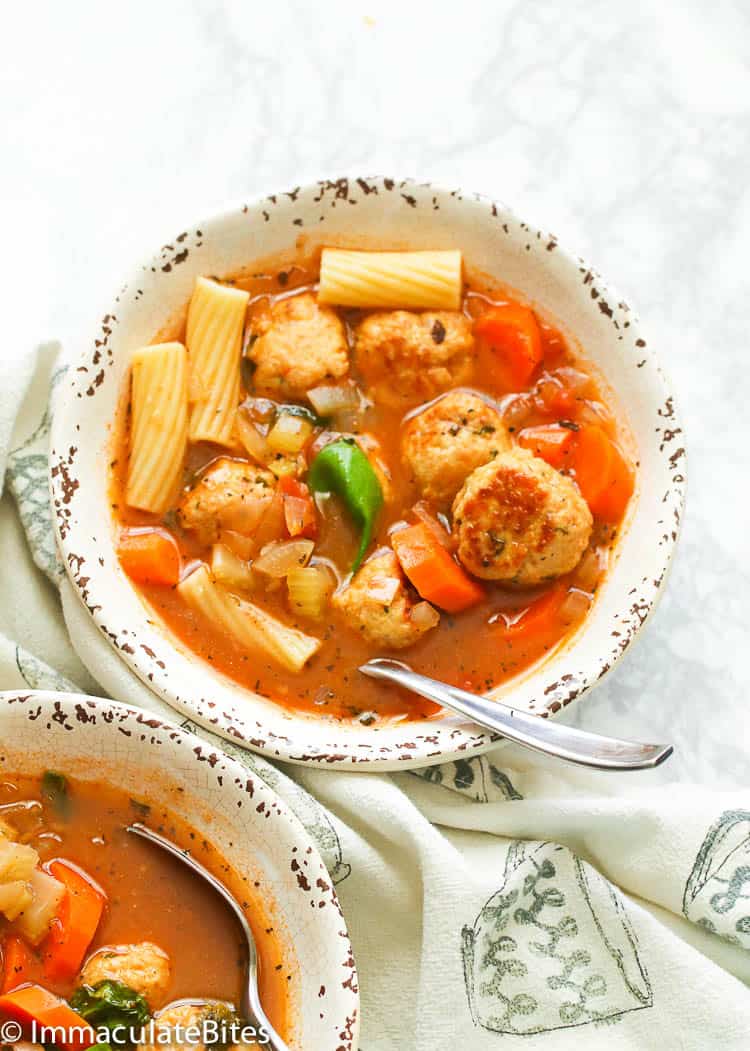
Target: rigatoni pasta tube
(215,321)
(159,425)
(410,280)
(249,625)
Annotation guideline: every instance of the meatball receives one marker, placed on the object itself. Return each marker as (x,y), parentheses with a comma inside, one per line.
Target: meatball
(518,520)
(229,494)
(183,1014)
(295,345)
(377,603)
(144,967)
(444,442)
(407,358)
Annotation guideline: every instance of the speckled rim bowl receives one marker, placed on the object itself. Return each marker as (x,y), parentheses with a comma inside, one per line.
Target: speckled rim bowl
(375,212)
(98,740)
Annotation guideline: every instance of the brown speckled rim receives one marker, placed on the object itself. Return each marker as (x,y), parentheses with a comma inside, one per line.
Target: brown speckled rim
(94,738)
(349,205)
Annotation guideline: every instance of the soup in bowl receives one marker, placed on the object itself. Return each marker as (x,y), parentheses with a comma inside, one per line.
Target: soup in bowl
(406,433)
(107,939)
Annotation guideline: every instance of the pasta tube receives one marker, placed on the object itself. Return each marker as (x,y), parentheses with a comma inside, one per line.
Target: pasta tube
(215,322)
(409,280)
(159,425)
(249,625)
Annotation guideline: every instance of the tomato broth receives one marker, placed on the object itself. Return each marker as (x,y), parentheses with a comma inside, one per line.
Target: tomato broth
(560,412)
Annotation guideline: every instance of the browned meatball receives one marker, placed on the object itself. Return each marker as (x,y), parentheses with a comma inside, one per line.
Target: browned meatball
(446,441)
(297,344)
(520,521)
(142,966)
(407,358)
(377,603)
(229,494)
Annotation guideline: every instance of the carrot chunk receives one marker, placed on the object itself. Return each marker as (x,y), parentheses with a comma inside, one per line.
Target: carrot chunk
(550,442)
(32,1004)
(150,556)
(18,962)
(604,476)
(74,927)
(541,616)
(512,336)
(432,571)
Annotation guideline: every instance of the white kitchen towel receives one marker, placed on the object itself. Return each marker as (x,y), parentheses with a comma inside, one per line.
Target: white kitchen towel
(499,901)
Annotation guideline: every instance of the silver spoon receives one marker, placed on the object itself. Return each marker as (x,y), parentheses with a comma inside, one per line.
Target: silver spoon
(250,1007)
(543,735)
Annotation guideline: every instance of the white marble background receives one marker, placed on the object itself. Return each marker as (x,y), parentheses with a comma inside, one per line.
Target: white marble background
(621,126)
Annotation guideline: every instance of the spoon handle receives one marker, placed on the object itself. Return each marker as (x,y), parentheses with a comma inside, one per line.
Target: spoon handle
(543,735)
(251,1006)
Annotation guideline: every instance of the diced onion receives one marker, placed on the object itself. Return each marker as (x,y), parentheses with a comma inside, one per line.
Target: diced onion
(547,391)
(14,898)
(279,557)
(425,616)
(516,411)
(261,410)
(587,571)
(435,526)
(36,919)
(239,544)
(230,570)
(253,441)
(310,587)
(575,605)
(17,861)
(577,382)
(272,525)
(328,400)
(290,434)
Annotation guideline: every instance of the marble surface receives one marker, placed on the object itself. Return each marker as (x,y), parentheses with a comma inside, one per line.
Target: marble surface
(620,126)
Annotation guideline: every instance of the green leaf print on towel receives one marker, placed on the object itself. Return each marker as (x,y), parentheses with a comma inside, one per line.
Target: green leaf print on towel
(27,475)
(478,778)
(39,676)
(717,893)
(552,948)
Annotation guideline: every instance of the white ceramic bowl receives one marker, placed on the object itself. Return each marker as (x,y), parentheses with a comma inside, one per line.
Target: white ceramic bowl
(98,740)
(375,212)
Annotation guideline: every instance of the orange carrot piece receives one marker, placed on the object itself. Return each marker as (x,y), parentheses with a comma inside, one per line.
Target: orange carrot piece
(539,617)
(602,473)
(74,927)
(150,556)
(550,442)
(32,1004)
(299,508)
(18,962)
(432,571)
(511,334)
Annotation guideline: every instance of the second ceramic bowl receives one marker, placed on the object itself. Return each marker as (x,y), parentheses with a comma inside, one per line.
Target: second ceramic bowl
(97,740)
